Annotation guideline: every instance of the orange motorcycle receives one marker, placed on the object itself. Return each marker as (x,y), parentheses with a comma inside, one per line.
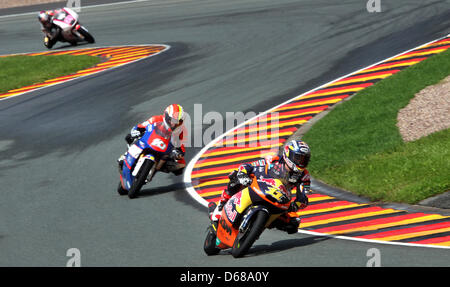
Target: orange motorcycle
(245,216)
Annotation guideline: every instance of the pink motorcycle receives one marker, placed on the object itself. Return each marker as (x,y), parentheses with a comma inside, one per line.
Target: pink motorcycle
(66,20)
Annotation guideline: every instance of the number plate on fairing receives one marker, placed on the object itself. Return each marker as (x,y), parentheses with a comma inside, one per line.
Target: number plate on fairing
(134,151)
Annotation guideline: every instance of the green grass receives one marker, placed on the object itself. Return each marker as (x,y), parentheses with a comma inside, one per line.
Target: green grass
(358,147)
(20,71)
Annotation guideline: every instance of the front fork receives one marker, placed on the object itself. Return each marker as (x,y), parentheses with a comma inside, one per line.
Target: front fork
(156,167)
(75,31)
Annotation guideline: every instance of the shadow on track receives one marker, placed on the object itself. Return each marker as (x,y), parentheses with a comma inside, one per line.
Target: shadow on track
(69,46)
(279,246)
(161,189)
(285,245)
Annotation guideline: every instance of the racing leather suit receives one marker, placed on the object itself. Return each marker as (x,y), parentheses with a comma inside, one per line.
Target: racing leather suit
(50,30)
(273,167)
(179,134)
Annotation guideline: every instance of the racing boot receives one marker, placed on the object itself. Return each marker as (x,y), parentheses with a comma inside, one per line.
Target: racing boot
(286,223)
(181,164)
(293,225)
(173,166)
(217,211)
(215,214)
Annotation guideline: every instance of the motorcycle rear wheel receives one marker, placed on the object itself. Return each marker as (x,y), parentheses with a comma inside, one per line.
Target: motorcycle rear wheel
(245,239)
(87,36)
(140,178)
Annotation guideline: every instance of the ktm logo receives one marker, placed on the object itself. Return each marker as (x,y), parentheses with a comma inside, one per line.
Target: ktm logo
(225,226)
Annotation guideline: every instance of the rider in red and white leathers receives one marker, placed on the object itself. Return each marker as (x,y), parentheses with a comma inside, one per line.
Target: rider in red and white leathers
(290,168)
(173,119)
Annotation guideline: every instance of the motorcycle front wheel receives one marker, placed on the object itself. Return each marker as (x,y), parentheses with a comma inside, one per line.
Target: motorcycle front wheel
(244,240)
(49,43)
(209,246)
(140,178)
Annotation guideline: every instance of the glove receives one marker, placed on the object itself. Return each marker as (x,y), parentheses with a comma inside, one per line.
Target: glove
(297,205)
(128,139)
(243,178)
(135,133)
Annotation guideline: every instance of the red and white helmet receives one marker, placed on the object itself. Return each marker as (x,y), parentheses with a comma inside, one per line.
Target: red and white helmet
(43,17)
(174,116)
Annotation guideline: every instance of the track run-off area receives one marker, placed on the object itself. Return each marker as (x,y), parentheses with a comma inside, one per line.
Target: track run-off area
(60,141)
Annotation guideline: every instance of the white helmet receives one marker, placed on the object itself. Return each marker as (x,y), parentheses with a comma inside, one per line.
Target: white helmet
(44,18)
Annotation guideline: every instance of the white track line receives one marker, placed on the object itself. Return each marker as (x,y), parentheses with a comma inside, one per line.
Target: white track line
(371,240)
(82,7)
(188,180)
(100,5)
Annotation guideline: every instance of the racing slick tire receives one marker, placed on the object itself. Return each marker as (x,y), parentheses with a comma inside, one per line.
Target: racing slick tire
(87,36)
(140,178)
(210,242)
(244,240)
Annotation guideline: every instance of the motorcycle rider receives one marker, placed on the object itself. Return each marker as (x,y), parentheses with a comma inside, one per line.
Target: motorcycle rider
(290,168)
(173,118)
(49,29)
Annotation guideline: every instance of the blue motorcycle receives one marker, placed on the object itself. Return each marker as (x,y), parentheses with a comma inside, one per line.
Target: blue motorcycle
(145,156)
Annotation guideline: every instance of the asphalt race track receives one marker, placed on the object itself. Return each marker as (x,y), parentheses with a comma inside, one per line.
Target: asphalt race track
(59,145)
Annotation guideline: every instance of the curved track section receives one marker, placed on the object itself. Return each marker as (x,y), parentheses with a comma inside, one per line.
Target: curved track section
(59,145)
(263,135)
(113,57)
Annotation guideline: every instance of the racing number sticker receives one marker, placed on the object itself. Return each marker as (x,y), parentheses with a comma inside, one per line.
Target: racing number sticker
(159,144)
(134,151)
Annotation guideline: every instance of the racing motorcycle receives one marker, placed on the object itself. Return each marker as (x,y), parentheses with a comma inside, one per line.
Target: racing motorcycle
(245,216)
(66,20)
(146,155)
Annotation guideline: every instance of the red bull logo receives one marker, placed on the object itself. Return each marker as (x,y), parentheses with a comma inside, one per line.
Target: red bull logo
(230,207)
(275,183)
(269,181)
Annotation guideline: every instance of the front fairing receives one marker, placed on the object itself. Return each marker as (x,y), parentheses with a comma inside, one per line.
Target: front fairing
(260,193)
(271,194)
(154,144)
(64,20)
(156,140)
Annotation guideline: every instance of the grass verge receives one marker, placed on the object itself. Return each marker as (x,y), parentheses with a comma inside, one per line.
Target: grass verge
(20,71)
(358,147)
